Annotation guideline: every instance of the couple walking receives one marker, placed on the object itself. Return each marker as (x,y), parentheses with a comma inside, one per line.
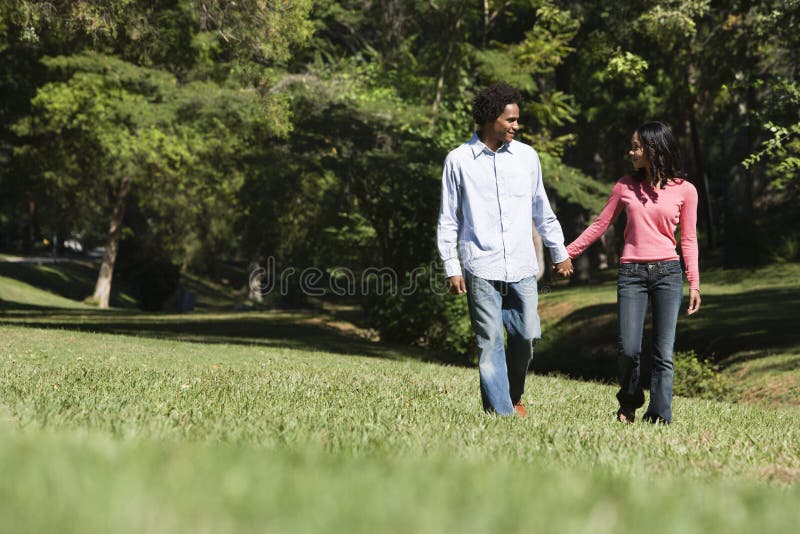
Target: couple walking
(491,191)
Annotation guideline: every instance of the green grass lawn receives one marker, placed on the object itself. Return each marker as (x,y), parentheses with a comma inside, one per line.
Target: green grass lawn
(275,422)
(65,284)
(125,433)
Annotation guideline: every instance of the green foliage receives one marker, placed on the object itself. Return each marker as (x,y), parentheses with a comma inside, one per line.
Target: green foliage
(698,378)
(626,67)
(314,132)
(373,185)
(107,120)
(783,148)
(429,316)
(788,250)
(571,185)
(257,32)
(652,61)
(95,17)
(530,66)
(670,22)
(174,95)
(184,145)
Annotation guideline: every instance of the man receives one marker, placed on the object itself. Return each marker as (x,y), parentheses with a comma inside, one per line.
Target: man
(491,190)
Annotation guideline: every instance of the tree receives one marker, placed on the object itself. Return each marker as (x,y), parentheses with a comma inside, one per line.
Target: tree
(100,131)
(125,116)
(380,111)
(640,61)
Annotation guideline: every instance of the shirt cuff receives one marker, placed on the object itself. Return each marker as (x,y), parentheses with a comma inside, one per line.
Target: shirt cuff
(452,267)
(559,253)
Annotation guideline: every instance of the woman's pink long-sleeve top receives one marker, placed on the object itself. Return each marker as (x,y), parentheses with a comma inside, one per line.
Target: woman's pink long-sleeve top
(653,214)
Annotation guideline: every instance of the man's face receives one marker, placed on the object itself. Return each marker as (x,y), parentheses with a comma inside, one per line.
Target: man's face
(504,127)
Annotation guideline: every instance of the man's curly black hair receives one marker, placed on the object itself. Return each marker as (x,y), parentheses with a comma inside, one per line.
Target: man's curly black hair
(490,102)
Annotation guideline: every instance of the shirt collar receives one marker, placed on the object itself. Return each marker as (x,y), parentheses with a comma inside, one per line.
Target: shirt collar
(478,147)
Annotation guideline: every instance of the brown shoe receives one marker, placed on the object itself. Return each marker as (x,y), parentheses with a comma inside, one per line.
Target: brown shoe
(626,416)
(520,409)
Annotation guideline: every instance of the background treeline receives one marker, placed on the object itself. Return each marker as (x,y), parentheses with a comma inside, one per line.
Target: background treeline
(179,133)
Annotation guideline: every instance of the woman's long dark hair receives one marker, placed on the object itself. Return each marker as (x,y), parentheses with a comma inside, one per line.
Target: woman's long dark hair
(662,151)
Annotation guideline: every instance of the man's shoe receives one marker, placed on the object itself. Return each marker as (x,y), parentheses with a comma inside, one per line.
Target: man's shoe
(520,409)
(625,415)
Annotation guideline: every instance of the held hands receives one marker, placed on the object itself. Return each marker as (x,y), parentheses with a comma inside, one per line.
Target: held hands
(694,301)
(457,285)
(564,268)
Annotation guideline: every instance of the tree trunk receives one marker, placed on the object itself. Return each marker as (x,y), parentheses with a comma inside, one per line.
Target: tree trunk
(581,265)
(740,241)
(701,181)
(447,63)
(740,244)
(102,289)
(700,178)
(33,225)
(489,18)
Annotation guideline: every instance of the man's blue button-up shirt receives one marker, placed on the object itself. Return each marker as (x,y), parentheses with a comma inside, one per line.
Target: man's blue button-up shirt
(488,202)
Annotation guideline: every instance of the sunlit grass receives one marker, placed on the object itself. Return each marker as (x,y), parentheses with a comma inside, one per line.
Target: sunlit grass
(12,290)
(124,421)
(130,433)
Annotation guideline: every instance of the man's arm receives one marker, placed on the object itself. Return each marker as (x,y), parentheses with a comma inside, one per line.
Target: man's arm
(547,223)
(447,229)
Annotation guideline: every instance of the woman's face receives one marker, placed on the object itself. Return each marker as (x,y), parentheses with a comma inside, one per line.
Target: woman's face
(638,157)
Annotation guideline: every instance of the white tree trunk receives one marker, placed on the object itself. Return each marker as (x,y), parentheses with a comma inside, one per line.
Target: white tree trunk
(102,290)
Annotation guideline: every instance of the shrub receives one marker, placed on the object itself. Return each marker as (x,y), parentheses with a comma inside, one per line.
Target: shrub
(151,275)
(429,317)
(698,378)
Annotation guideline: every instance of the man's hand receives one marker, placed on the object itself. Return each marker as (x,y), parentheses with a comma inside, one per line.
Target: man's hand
(694,301)
(564,268)
(457,285)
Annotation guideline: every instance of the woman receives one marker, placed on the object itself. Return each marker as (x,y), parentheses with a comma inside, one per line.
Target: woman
(656,198)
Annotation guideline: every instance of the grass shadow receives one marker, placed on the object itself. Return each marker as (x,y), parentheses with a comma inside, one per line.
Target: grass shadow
(760,322)
(581,345)
(299,330)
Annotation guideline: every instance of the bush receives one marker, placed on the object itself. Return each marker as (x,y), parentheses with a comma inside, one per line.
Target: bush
(698,378)
(155,281)
(429,317)
(152,277)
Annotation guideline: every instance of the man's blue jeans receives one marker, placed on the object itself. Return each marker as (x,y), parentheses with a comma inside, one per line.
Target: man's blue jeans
(660,283)
(492,306)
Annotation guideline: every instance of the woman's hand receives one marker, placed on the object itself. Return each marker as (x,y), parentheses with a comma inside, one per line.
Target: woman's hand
(694,301)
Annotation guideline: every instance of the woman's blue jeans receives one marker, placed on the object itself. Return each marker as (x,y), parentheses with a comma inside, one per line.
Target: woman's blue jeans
(494,305)
(660,283)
